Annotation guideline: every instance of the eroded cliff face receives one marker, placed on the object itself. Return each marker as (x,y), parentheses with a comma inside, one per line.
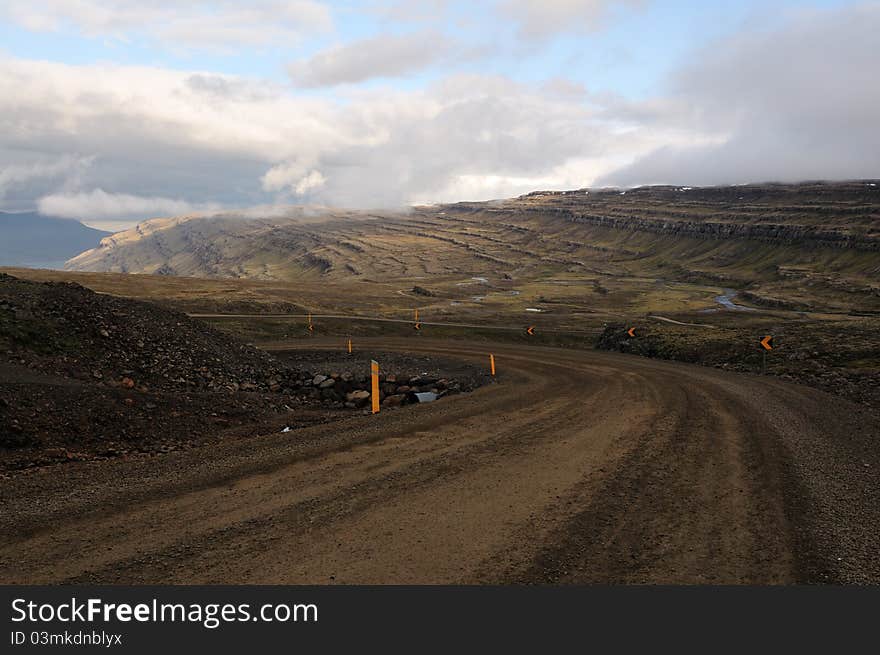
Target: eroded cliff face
(833,215)
(827,236)
(769,232)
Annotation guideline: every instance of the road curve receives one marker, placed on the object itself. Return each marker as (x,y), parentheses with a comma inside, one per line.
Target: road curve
(382,319)
(577,467)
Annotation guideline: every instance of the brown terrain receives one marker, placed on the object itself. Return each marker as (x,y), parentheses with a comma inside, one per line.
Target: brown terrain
(577,467)
(142,412)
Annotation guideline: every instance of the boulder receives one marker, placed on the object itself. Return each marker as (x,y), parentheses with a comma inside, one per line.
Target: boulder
(359,398)
(394,401)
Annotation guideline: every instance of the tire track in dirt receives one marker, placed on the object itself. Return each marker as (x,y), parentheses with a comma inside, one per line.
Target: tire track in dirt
(579,467)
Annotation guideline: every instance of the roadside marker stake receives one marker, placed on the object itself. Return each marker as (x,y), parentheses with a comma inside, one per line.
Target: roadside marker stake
(416,315)
(374,385)
(767,343)
(492,363)
(349,346)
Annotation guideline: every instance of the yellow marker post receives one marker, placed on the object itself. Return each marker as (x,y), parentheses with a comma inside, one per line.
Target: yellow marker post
(416,315)
(349,346)
(374,386)
(492,363)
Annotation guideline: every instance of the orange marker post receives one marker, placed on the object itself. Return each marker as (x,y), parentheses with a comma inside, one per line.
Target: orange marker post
(374,386)
(349,346)
(492,364)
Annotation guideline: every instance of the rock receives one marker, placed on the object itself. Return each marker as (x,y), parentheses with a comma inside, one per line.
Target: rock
(394,401)
(359,398)
(105,334)
(318,379)
(404,388)
(326,384)
(127,383)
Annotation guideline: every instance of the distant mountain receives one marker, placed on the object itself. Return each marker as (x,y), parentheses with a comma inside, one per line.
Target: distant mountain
(772,241)
(34,240)
(710,232)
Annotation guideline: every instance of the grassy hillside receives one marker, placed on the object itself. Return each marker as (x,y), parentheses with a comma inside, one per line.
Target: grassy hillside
(808,247)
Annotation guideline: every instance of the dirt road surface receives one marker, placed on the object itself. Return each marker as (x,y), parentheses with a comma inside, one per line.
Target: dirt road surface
(577,467)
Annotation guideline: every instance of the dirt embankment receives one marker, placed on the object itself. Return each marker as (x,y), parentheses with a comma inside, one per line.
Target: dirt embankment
(840,358)
(86,375)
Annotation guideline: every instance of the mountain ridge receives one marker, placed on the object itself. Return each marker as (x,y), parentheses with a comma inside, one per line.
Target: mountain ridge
(32,239)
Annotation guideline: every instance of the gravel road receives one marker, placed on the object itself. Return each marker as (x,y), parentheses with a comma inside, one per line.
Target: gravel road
(578,467)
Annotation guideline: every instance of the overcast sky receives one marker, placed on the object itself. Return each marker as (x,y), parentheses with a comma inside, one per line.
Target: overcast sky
(119,110)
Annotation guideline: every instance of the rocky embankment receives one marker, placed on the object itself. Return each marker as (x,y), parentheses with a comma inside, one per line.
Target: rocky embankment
(841,359)
(353,390)
(87,375)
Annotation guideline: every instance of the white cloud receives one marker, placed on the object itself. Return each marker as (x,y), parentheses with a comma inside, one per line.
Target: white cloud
(213,24)
(314,180)
(159,141)
(65,167)
(798,102)
(293,177)
(98,205)
(204,138)
(541,19)
(386,55)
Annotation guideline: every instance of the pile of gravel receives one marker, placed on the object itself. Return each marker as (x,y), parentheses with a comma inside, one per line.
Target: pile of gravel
(68,330)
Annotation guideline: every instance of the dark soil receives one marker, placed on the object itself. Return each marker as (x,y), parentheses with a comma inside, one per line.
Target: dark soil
(841,358)
(86,375)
